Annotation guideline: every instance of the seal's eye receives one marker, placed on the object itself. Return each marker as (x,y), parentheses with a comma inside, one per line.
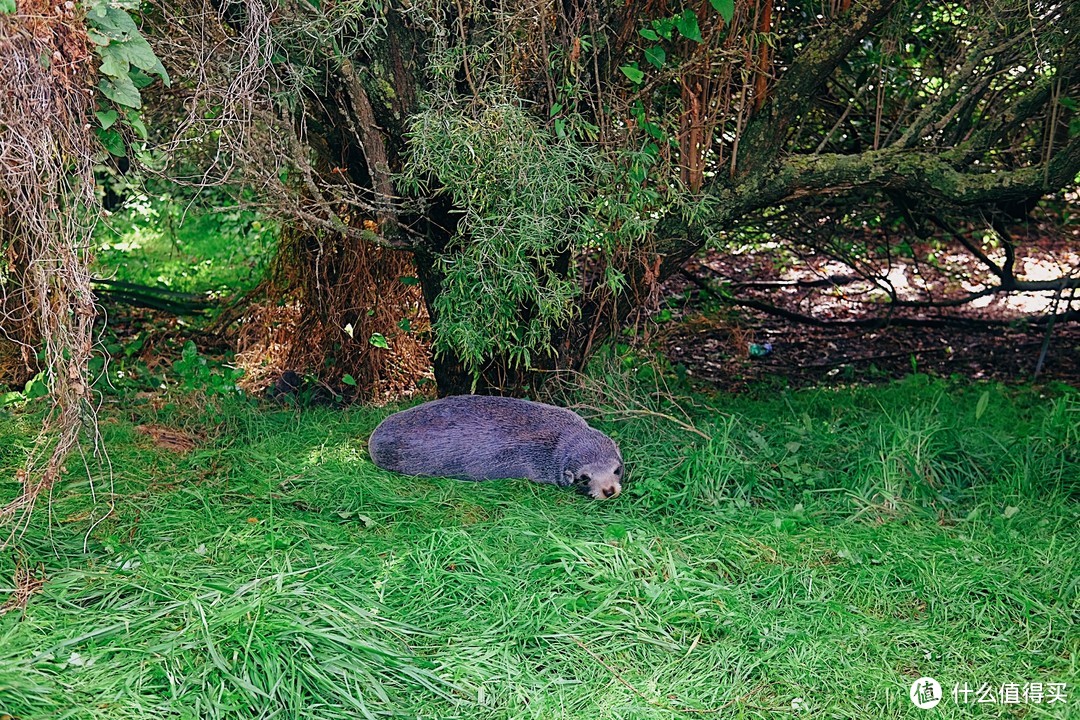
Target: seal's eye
(618,470)
(584,478)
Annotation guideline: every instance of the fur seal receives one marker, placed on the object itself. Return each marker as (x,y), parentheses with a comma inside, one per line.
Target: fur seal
(479,437)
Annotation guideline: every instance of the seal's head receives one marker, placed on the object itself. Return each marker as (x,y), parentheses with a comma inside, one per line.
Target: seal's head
(599,479)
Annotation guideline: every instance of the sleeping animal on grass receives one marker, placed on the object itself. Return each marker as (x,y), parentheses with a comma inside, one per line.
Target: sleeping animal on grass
(477,437)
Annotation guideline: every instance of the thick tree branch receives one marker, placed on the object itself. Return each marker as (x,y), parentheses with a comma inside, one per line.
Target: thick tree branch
(371,140)
(926,175)
(797,87)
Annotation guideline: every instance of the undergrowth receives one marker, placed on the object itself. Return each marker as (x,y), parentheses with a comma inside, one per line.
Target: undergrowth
(184,244)
(810,552)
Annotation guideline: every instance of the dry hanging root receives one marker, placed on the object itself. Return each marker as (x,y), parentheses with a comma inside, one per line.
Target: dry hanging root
(47,213)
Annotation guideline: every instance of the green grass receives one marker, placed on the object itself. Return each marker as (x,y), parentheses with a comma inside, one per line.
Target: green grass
(184,245)
(823,550)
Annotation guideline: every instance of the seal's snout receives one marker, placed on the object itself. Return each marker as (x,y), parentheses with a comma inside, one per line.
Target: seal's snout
(599,490)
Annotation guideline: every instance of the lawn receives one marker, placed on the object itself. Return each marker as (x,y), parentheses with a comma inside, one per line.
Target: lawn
(810,553)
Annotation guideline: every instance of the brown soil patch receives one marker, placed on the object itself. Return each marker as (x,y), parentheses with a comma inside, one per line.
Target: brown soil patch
(712,339)
(168,438)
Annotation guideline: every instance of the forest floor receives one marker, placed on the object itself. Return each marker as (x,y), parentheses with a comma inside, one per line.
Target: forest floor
(985,339)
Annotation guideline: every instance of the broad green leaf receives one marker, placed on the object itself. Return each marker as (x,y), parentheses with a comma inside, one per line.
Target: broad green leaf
(139,53)
(648,34)
(726,8)
(407,280)
(348,379)
(653,130)
(656,56)
(687,25)
(11,398)
(113,62)
(114,22)
(980,407)
(106,118)
(140,78)
(7,7)
(379,341)
(121,91)
(135,121)
(97,38)
(635,75)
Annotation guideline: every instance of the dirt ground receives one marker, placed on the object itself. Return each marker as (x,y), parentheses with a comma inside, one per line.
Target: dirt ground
(712,339)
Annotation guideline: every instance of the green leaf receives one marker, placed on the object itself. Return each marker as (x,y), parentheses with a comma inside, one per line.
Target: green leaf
(404,324)
(635,75)
(97,38)
(348,379)
(139,53)
(106,118)
(560,127)
(379,341)
(653,130)
(648,34)
(140,78)
(406,280)
(113,22)
(980,407)
(112,141)
(726,8)
(556,109)
(121,91)
(1010,512)
(687,25)
(656,56)
(1068,103)
(113,63)
(135,122)
(664,26)
(7,7)
(10,398)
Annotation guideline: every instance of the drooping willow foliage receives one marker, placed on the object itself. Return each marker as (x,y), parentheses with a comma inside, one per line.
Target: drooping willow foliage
(530,205)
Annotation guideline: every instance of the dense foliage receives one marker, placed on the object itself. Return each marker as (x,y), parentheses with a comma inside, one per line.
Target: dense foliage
(547,165)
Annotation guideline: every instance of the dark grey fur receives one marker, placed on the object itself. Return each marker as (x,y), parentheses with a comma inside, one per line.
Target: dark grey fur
(477,437)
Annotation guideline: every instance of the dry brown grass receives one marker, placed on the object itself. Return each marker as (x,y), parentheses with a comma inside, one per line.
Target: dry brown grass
(351,292)
(327,305)
(27,581)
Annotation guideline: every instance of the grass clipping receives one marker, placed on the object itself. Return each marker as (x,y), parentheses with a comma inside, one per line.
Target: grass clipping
(47,212)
